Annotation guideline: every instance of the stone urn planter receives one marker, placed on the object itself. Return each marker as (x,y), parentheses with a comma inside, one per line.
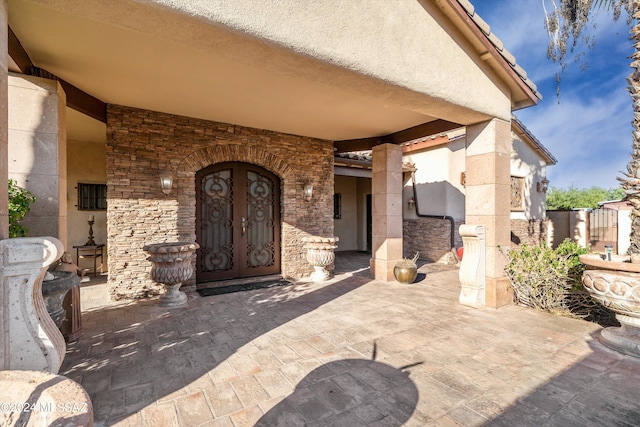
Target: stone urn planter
(54,290)
(171,267)
(616,285)
(320,254)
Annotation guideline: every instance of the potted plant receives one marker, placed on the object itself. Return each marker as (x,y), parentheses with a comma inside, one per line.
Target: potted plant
(406,271)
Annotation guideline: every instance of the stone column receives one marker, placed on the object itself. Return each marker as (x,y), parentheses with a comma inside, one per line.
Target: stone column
(38,151)
(487,201)
(386,186)
(4,203)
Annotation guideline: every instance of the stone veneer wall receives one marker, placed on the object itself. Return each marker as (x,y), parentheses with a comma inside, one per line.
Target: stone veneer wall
(529,231)
(141,144)
(430,237)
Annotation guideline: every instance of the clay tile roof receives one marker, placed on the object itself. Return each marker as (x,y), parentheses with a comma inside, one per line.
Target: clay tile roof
(508,56)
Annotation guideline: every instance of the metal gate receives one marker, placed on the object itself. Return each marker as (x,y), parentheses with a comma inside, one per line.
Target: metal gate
(603,229)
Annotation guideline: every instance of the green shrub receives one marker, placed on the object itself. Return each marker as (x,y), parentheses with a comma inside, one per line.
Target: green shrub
(549,280)
(19,204)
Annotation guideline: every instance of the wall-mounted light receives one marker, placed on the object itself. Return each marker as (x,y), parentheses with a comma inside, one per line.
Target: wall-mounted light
(463,179)
(411,202)
(542,186)
(307,191)
(166,182)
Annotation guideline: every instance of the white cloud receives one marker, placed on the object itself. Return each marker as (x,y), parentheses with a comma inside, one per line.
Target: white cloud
(589,131)
(590,137)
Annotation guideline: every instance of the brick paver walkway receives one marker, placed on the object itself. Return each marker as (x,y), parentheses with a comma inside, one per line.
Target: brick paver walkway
(352,352)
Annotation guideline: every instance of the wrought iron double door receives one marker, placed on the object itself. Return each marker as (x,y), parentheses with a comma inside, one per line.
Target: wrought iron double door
(237,222)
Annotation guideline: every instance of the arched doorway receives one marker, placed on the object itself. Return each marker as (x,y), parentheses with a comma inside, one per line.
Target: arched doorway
(237,222)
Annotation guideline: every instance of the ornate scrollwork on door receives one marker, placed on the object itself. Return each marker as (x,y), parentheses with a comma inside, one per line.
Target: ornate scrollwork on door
(217,221)
(260,220)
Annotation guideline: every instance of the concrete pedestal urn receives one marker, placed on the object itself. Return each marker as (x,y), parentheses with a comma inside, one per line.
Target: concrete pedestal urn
(171,266)
(320,254)
(616,285)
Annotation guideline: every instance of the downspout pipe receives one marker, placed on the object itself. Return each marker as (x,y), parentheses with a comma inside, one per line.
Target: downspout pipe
(447,217)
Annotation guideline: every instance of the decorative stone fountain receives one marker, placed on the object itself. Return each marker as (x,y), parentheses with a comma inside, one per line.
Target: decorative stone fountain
(320,255)
(171,267)
(54,290)
(616,285)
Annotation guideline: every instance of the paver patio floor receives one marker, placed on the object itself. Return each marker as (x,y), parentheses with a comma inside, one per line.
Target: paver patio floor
(351,352)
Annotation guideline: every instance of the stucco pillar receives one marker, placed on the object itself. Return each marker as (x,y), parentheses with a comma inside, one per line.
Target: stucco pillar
(38,151)
(386,186)
(4,203)
(487,201)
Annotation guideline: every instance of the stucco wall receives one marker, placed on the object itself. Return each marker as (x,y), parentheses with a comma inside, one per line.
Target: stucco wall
(356,35)
(141,144)
(38,151)
(376,47)
(527,163)
(86,164)
(571,225)
(438,186)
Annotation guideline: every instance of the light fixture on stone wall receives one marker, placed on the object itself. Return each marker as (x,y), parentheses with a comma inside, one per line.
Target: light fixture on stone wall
(166,182)
(412,203)
(308,191)
(542,186)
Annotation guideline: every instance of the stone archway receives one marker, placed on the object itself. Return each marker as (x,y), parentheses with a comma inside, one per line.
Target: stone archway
(225,152)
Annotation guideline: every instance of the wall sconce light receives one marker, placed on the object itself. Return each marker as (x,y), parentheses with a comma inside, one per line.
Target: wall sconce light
(308,191)
(463,179)
(542,186)
(166,182)
(412,203)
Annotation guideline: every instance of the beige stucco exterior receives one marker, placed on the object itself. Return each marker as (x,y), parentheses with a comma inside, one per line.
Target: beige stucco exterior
(86,164)
(358,70)
(357,67)
(438,180)
(439,185)
(527,163)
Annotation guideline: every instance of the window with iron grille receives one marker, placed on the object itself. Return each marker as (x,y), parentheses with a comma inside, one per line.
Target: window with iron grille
(517,193)
(92,197)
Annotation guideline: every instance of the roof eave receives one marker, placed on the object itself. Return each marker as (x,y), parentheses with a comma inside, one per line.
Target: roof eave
(524,91)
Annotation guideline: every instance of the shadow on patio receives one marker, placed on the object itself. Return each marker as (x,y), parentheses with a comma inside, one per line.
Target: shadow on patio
(302,355)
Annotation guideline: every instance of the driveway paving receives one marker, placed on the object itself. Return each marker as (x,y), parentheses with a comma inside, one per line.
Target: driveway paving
(349,352)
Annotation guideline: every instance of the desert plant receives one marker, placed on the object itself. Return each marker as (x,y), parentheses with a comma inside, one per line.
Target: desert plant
(549,280)
(406,262)
(19,205)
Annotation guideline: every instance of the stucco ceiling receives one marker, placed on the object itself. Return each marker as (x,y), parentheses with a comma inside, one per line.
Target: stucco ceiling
(229,78)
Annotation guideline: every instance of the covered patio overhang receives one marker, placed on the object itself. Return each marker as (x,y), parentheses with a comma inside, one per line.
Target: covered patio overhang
(275,66)
(360,75)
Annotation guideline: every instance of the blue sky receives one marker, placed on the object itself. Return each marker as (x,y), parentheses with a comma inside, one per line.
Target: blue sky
(589,130)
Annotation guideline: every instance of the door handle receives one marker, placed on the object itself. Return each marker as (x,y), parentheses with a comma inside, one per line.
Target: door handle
(243,226)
